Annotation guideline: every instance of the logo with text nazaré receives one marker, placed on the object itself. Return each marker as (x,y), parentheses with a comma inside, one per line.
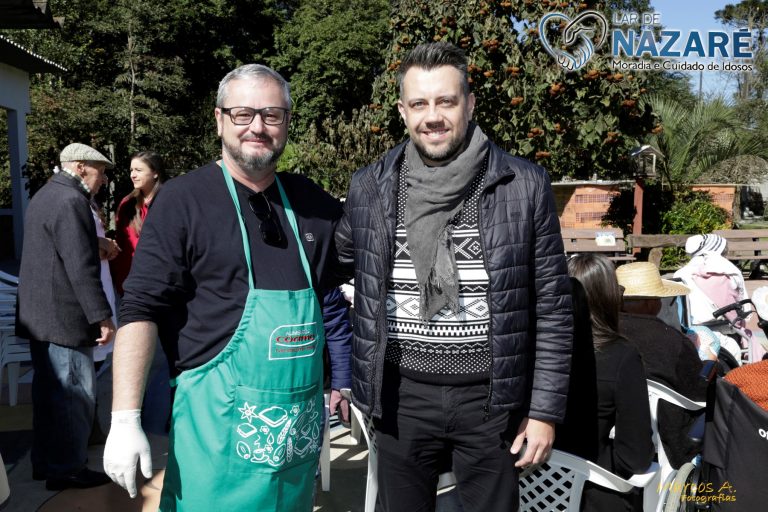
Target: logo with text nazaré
(293,341)
(578,35)
(639,42)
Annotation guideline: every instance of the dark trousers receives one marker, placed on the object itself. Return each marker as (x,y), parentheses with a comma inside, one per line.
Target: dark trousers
(428,429)
(156,410)
(63,405)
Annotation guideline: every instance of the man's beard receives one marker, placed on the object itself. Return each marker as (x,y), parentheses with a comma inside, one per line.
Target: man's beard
(253,164)
(441,156)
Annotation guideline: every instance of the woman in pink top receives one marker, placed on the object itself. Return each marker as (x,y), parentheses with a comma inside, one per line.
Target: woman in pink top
(147,175)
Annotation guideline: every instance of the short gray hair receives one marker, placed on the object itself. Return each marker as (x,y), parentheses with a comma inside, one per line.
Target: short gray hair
(253,72)
(429,56)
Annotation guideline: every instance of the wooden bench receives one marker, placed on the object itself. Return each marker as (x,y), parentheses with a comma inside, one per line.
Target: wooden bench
(606,241)
(750,245)
(656,243)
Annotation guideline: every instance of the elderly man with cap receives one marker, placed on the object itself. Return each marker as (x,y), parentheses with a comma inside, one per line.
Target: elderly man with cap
(64,313)
(669,356)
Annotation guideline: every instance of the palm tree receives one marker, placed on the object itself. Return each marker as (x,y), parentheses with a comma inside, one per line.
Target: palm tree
(693,140)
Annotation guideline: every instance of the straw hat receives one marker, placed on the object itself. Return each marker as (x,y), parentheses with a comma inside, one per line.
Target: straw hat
(642,279)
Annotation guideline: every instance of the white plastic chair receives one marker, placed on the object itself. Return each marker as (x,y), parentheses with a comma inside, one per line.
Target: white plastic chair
(5,489)
(355,431)
(372,484)
(558,483)
(554,485)
(653,499)
(8,281)
(325,450)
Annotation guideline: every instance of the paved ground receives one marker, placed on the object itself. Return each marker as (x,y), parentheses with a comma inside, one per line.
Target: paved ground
(348,466)
(348,472)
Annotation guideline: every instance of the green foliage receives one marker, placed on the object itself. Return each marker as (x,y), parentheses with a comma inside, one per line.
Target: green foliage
(749,13)
(331,51)
(621,211)
(576,124)
(5,163)
(142,74)
(695,140)
(689,213)
(329,155)
(752,86)
(672,85)
(5,186)
(692,212)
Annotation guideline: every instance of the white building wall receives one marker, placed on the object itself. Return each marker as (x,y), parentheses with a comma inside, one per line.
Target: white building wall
(14,97)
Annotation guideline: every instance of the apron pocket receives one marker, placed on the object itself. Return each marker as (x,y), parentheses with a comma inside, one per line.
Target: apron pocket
(274,430)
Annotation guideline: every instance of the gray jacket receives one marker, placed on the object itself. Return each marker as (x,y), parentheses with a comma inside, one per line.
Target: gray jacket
(61,298)
(531,322)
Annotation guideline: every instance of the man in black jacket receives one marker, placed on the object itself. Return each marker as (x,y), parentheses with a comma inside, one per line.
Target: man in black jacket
(64,313)
(463,312)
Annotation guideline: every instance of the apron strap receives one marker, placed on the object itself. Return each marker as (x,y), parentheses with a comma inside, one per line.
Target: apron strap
(295,227)
(244,233)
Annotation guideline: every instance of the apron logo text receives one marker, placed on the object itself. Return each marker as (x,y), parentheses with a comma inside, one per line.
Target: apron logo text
(293,341)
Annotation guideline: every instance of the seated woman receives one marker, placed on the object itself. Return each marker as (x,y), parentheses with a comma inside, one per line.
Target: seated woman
(577,434)
(622,391)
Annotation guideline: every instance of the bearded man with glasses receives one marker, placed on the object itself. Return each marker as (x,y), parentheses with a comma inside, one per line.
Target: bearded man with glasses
(231,261)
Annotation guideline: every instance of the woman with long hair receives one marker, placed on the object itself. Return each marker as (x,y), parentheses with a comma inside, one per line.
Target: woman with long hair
(622,390)
(147,175)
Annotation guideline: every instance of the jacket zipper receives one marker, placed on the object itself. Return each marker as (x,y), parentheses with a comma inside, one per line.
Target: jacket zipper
(480,224)
(381,227)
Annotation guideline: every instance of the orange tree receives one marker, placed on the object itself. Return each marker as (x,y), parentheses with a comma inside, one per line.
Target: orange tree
(575,124)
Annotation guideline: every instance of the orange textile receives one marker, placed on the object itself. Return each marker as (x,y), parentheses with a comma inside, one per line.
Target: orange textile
(752,380)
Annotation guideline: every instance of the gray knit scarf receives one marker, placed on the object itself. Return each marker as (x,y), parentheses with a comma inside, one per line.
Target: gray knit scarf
(435,196)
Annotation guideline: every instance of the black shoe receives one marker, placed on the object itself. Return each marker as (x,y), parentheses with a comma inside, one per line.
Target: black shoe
(39,475)
(84,479)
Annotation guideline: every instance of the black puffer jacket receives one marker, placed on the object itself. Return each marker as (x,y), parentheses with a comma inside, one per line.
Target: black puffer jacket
(529,291)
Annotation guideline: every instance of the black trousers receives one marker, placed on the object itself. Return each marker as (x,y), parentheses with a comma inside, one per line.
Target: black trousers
(428,429)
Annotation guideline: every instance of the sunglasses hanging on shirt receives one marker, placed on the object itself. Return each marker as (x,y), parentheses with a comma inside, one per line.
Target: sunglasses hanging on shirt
(268,226)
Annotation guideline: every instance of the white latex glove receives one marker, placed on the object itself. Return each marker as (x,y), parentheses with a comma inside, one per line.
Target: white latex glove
(126,444)
(348,291)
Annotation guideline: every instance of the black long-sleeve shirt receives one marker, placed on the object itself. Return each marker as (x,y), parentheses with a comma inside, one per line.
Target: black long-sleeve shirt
(671,359)
(189,274)
(622,401)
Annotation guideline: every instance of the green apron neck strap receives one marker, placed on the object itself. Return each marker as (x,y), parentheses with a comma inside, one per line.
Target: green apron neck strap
(244,233)
(295,227)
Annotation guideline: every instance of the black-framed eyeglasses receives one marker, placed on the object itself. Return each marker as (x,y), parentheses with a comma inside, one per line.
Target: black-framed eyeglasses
(240,116)
(269,228)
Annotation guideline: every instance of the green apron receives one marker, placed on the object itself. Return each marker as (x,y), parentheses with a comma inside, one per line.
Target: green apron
(246,428)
